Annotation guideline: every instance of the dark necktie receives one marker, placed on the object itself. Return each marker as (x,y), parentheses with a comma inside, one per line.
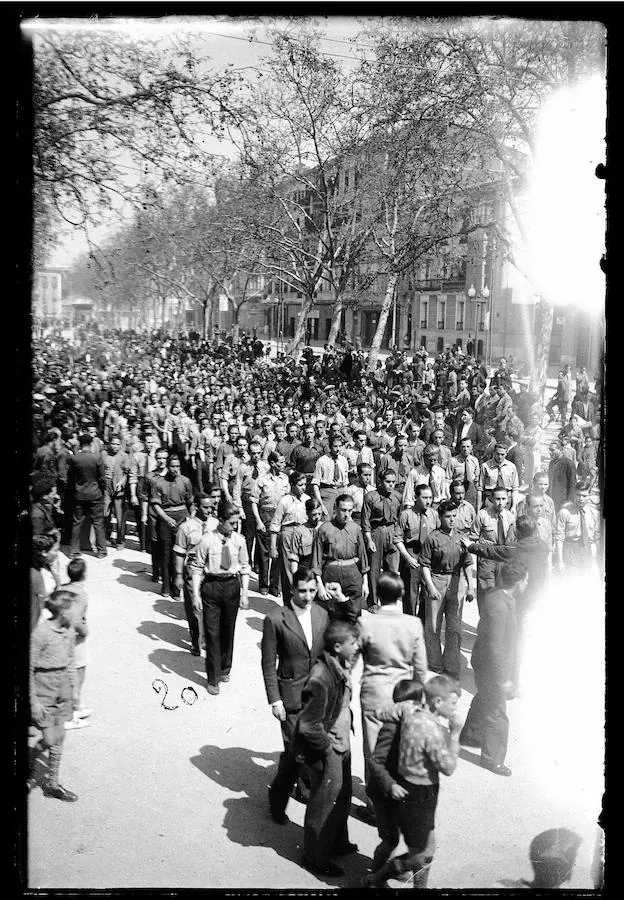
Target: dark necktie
(500,481)
(254,473)
(420,527)
(501,531)
(226,559)
(336,472)
(467,478)
(432,484)
(584,528)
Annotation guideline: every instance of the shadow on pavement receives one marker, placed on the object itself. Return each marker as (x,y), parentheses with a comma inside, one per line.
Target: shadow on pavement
(255,623)
(261,604)
(136,575)
(467,756)
(174,609)
(247,819)
(180,662)
(174,634)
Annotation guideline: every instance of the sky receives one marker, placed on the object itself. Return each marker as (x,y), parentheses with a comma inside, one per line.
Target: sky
(241,41)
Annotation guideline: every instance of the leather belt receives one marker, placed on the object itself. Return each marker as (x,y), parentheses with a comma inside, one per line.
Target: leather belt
(342,562)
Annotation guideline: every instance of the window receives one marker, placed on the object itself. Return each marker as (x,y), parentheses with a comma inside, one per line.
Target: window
(458,342)
(441,314)
(423,313)
(440,345)
(423,341)
(459,315)
(480,349)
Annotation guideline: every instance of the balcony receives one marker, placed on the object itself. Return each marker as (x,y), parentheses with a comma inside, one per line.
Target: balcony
(441,326)
(423,323)
(459,326)
(481,326)
(440,284)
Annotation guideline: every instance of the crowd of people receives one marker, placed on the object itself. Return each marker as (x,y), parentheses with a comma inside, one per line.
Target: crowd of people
(373,505)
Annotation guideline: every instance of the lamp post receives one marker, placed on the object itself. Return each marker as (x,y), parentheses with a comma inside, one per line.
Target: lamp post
(482,297)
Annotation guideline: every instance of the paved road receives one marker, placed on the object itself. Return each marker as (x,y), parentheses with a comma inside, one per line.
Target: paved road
(177,798)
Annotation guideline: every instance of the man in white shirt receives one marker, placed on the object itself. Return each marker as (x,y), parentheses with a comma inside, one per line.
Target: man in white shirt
(331,476)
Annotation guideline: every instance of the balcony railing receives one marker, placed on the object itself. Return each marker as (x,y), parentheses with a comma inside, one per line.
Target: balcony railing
(441,325)
(440,284)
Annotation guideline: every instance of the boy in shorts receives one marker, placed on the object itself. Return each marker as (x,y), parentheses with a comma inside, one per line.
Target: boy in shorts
(77,573)
(52,675)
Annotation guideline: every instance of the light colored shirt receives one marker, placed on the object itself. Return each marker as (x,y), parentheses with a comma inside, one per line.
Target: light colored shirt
(190,533)
(393,648)
(290,510)
(485,526)
(356,492)
(267,492)
(490,475)
(436,479)
(305,620)
(324,471)
(208,554)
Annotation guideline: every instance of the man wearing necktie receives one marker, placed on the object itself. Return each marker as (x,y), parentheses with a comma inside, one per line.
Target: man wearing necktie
(498,472)
(220,585)
(429,473)
(495,525)
(577,531)
(414,525)
(200,520)
(331,476)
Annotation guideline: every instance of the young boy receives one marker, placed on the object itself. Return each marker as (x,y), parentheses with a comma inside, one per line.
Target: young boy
(51,685)
(77,573)
(424,751)
(384,792)
(321,740)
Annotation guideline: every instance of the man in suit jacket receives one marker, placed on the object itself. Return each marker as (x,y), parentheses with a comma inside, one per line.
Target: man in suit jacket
(467,428)
(493,662)
(585,407)
(87,483)
(292,639)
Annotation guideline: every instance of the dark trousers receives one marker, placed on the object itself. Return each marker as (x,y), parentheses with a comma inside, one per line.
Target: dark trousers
(86,512)
(166,538)
(325,823)
(486,579)
(266,579)
(289,771)
(219,608)
(487,723)
(413,603)
(115,504)
(191,616)
(350,580)
(414,818)
(385,556)
(249,527)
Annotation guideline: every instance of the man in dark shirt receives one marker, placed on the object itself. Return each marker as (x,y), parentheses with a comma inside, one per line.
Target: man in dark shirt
(446,572)
(171,497)
(380,514)
(561,476)
(303,456)
(45,510)
(493,661)
(86,480)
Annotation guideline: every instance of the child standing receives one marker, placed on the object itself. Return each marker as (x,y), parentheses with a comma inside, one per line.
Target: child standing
(77,573)
(424,751)
(51,685)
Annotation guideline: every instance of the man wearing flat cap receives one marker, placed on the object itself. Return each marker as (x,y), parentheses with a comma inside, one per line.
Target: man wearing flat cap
(45,509)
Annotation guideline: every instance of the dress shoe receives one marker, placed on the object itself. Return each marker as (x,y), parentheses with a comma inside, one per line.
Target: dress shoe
(298,795)
(264,591)
(164,594)
(372,608)
(225,678)
(212,688)
(195,651)
(497,768)
(274,592)
(328,868)
(345,849)
(100,554)
(59,792)
(364,814)
(155,578)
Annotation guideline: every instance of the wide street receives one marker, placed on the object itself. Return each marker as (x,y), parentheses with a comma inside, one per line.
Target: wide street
(176,798)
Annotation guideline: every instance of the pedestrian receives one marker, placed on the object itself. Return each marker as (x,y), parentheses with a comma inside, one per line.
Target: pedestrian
(116,472)
(380,515)
(446,573)
(494,525)
(339,557)
(577,532)
(199,520)
(77,574)
(415,524)
(220,582)
(52,673)
(44,551)
(321,739)
(498,472)
(292,639)
(151,523)
(487,726)
(331,476)
(86,483)
(359,489)
(247,476)
(425,749)
(265,495)
(289,513)
(429,473)
(392,645)
(171,496)
(45,512)
(561,476)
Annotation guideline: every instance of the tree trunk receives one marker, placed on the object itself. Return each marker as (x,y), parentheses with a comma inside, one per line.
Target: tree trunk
(373,353)
(542,349)
(293,347)
(336,319)
(235,332)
